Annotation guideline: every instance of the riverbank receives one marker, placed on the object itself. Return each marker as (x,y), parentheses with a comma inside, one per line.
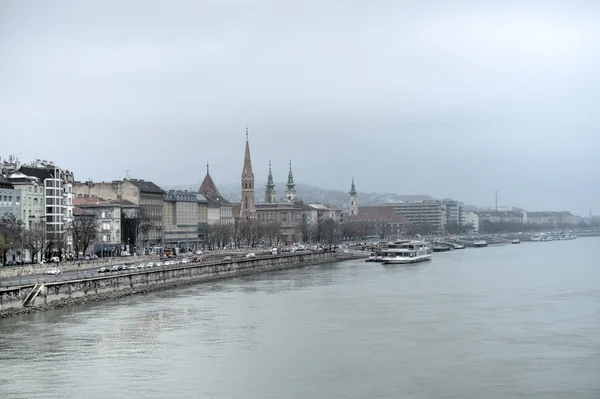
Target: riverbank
(40,297)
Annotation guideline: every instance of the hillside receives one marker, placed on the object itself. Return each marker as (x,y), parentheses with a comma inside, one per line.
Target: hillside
(311,194)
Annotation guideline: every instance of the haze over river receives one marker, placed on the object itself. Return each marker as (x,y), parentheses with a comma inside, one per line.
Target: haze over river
(497,322)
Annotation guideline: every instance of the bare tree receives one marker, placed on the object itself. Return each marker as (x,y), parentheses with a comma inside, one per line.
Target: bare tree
(34,239)
(329,232)
(84,230)
(224,233)
(271,232)
(11,230)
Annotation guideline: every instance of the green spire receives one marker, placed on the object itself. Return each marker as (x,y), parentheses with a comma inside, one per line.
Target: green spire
(270,184)
(352,188)
(290,183)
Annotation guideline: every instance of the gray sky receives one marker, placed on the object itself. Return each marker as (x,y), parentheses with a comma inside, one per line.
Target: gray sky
(447,98)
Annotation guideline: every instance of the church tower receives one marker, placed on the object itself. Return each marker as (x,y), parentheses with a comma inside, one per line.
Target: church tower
(353,210)
(270,197)
(290,187)
(247,210)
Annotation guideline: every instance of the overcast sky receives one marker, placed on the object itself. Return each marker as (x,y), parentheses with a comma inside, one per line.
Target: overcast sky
(447,98)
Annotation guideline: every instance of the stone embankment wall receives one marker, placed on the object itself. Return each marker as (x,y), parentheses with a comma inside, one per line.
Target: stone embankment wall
(72,292)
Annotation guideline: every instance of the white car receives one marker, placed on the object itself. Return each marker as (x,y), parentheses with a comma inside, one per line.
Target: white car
(184,261)
(53,272)
(251,255)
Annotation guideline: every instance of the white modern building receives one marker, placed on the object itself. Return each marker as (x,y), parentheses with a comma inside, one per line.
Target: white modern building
(472,219)
(58,203)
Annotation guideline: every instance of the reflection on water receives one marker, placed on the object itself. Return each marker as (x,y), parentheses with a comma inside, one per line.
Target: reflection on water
(488,323)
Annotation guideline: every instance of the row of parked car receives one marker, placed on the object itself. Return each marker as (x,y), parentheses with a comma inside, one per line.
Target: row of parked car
(131,267)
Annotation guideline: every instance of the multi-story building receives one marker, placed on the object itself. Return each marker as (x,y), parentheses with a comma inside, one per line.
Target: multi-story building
(427,217)
(493,216)
(550,218)
(184,213)
(315,213)
(145,194)
(452,212)
(107,215)
(58,203)
(10,199)
(471,219)
(32,198)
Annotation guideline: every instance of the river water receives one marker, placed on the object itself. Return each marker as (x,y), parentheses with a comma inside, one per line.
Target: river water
(497,322)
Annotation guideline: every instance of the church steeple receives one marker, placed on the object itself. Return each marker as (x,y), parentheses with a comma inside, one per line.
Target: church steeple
(353,209)
(247,211)
(352,188)
(208,186)
(290,192)
(270,196)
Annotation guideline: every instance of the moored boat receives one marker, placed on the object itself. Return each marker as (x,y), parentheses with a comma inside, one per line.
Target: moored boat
(480,244)
(516,241)
(459,246)
(407,252)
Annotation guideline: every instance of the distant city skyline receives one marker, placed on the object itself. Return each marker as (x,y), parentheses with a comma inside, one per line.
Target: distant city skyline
(446,98)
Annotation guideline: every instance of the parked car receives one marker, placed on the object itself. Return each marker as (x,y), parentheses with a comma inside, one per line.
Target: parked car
(251,255)
(53,272)
(185,260)
(227,259)
(116,268)
(103,270)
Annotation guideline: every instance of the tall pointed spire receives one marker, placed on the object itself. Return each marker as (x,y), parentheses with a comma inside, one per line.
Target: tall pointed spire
(353,209)
(290,182)
(207,169)
(248,211)
(270,196)
(247,160)
(352,188)
(270,183)
(290,192)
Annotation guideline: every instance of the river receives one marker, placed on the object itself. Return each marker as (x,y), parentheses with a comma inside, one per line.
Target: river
(498,322)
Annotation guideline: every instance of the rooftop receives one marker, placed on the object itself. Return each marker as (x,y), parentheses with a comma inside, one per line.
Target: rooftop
(40,173)
(146,186)
(5,183)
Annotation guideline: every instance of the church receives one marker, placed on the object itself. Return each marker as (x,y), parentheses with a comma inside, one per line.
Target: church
(287,214)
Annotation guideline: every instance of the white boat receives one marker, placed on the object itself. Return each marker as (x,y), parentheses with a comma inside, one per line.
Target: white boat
(535,238)
(516,241)
(371,258)
(480,244)
(407,252)
(459,246)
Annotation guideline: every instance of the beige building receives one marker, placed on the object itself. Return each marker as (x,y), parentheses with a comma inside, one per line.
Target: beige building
(147,195)
(108,219)
(32,198)
(183,214)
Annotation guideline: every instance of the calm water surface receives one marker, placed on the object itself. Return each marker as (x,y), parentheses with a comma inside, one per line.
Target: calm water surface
(498,322)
